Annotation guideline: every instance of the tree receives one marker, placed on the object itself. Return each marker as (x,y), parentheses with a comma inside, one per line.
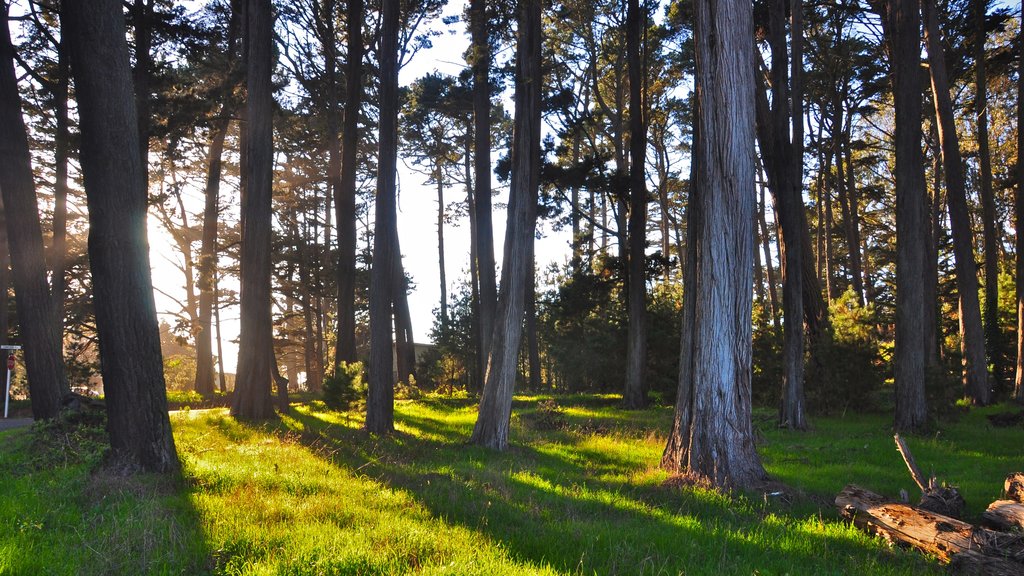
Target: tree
(988,203)
(636,355)
(493,419)
(902,24)
(1018,389)
(204,383)
(345,191)
(484,238)
(137,421)
(972,341)
(380,394)
(253,376)
(37,320)
(712,434)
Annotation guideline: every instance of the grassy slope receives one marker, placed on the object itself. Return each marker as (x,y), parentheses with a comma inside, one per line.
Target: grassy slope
(314,495)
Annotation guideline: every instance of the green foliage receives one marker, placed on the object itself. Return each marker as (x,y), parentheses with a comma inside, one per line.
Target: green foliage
(184,397)
(851,369)
(345,389)
(179,372)
(450,365)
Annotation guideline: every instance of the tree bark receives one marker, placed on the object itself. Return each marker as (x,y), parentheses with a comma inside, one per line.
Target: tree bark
(204,382)
(493,420)
(532,344)
(1018,212)
(782,167)
(972,343)
(131,364)
(481,64)
(718,444)
(345,193)
(405,347)
(988,202)
(38,323)
(635,395)
(61,145)
(142,18)
(253,384)
(902,29)
(380,404)
(440,247)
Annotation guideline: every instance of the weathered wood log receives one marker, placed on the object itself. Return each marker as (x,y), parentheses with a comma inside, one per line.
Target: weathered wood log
(1004,515)
(974,563)
(926,531)
(915,473)
(1014,487)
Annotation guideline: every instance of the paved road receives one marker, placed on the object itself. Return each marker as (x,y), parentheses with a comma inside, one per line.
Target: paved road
(11,423)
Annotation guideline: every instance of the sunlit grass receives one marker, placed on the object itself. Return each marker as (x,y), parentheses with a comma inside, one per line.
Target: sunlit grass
(314,494)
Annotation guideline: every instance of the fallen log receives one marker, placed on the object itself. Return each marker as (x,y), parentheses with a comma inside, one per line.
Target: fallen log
(1004,515)
(1014,487)
(929,532)
(973,563)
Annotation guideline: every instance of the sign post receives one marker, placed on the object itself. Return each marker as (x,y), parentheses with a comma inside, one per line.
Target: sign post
(10,370)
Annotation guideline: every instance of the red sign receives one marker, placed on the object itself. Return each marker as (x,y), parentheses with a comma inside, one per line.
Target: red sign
(10,362)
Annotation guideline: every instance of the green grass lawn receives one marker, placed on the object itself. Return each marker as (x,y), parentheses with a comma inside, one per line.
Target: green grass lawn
(578,493)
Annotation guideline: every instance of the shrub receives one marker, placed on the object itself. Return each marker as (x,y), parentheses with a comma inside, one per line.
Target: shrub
(346,387)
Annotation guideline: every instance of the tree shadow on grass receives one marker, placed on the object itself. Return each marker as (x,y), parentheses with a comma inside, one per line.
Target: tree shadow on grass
(582,514)
(62,513)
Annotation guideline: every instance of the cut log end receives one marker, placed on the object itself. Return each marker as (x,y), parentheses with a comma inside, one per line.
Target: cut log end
(1014,487)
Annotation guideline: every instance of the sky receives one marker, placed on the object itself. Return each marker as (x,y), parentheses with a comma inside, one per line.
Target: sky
(417,221)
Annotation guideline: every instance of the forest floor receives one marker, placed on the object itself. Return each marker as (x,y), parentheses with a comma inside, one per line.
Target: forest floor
(579,492)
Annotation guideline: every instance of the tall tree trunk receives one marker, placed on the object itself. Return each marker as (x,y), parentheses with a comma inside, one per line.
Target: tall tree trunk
(37,321)
(222,378)
(208,261)
(532,344)
(902,25)
(828,257)
(61,145)
(345,193)
(253,384)
(481,65)
(972,341)
(493,420)
(853,231)
(476,372)
(932,322)
(380,404)
(1018,208)
(142,18)
(405,347)
(635,395)
(988,202)
(674,457)
(440,247)
(782,167)
(773,298)
(718,444)
(129,336)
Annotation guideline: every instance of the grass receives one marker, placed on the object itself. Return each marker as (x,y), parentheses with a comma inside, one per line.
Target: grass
(578,493)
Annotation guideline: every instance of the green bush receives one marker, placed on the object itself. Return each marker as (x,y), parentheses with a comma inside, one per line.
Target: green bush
(346,387)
